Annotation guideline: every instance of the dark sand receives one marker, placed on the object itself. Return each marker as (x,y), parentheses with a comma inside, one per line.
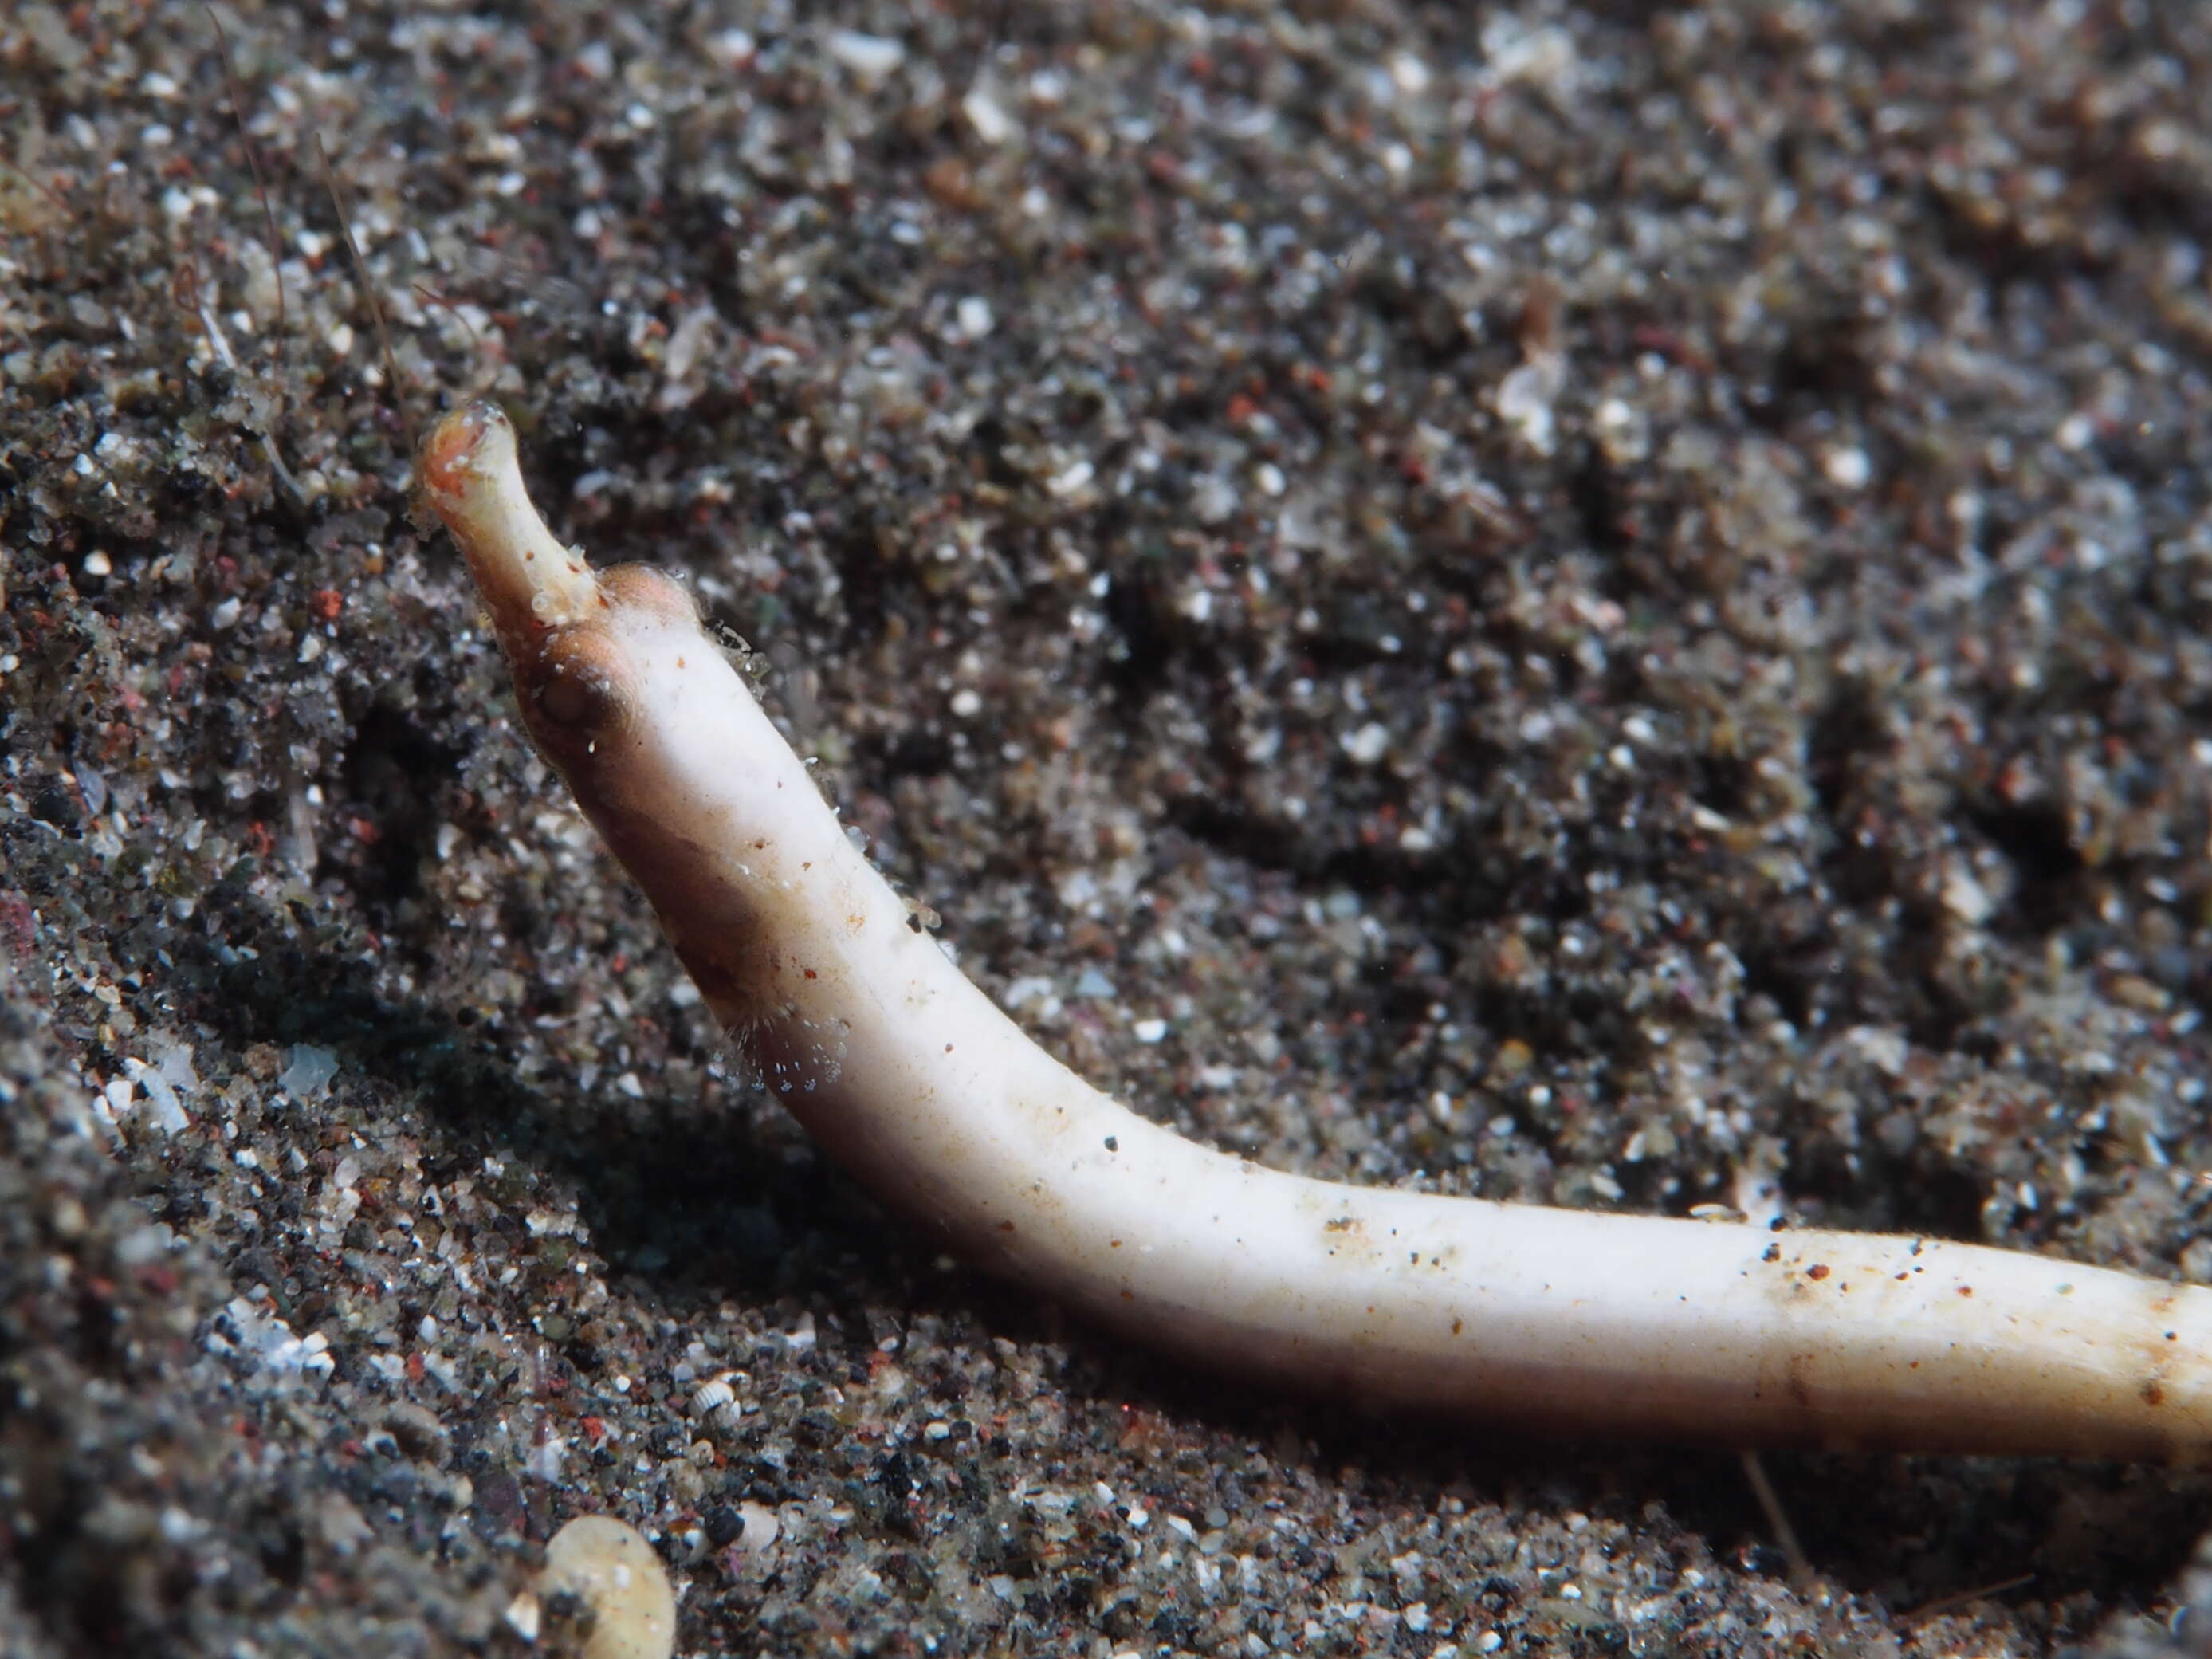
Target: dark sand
(1604,605)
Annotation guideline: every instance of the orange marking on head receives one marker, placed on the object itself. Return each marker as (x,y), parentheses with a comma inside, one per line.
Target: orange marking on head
(450,450)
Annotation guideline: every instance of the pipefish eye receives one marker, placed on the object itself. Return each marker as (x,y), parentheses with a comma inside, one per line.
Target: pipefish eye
(580,685)
(573,703)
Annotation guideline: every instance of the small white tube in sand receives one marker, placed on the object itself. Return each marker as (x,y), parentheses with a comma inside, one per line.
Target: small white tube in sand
(1512,1313)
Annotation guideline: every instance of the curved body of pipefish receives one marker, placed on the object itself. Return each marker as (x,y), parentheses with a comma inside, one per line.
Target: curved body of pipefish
(907,1073)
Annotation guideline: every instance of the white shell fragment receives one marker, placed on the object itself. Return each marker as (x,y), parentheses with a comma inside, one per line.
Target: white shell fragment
(607,1565)
(715,1402)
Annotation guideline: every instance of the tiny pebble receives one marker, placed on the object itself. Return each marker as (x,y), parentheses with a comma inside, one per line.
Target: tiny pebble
(307,1068)
(869,56)
(760,1528)
(975,316)
(992,124)
(607,1565)
(1848,468)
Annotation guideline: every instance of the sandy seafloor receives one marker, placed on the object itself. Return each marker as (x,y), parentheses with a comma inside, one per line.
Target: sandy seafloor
(1606,605)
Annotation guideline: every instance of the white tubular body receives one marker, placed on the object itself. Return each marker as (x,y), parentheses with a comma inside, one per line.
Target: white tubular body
(1571,1321)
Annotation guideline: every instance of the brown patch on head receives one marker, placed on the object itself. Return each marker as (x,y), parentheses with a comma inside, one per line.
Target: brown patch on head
(2153,1393)
(451,449)
(641,588)
(1818,1270)
(578,690)
(578,681)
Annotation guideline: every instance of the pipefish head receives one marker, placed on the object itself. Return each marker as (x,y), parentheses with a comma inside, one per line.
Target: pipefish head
(663,745)
(472,477)
(580,643)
